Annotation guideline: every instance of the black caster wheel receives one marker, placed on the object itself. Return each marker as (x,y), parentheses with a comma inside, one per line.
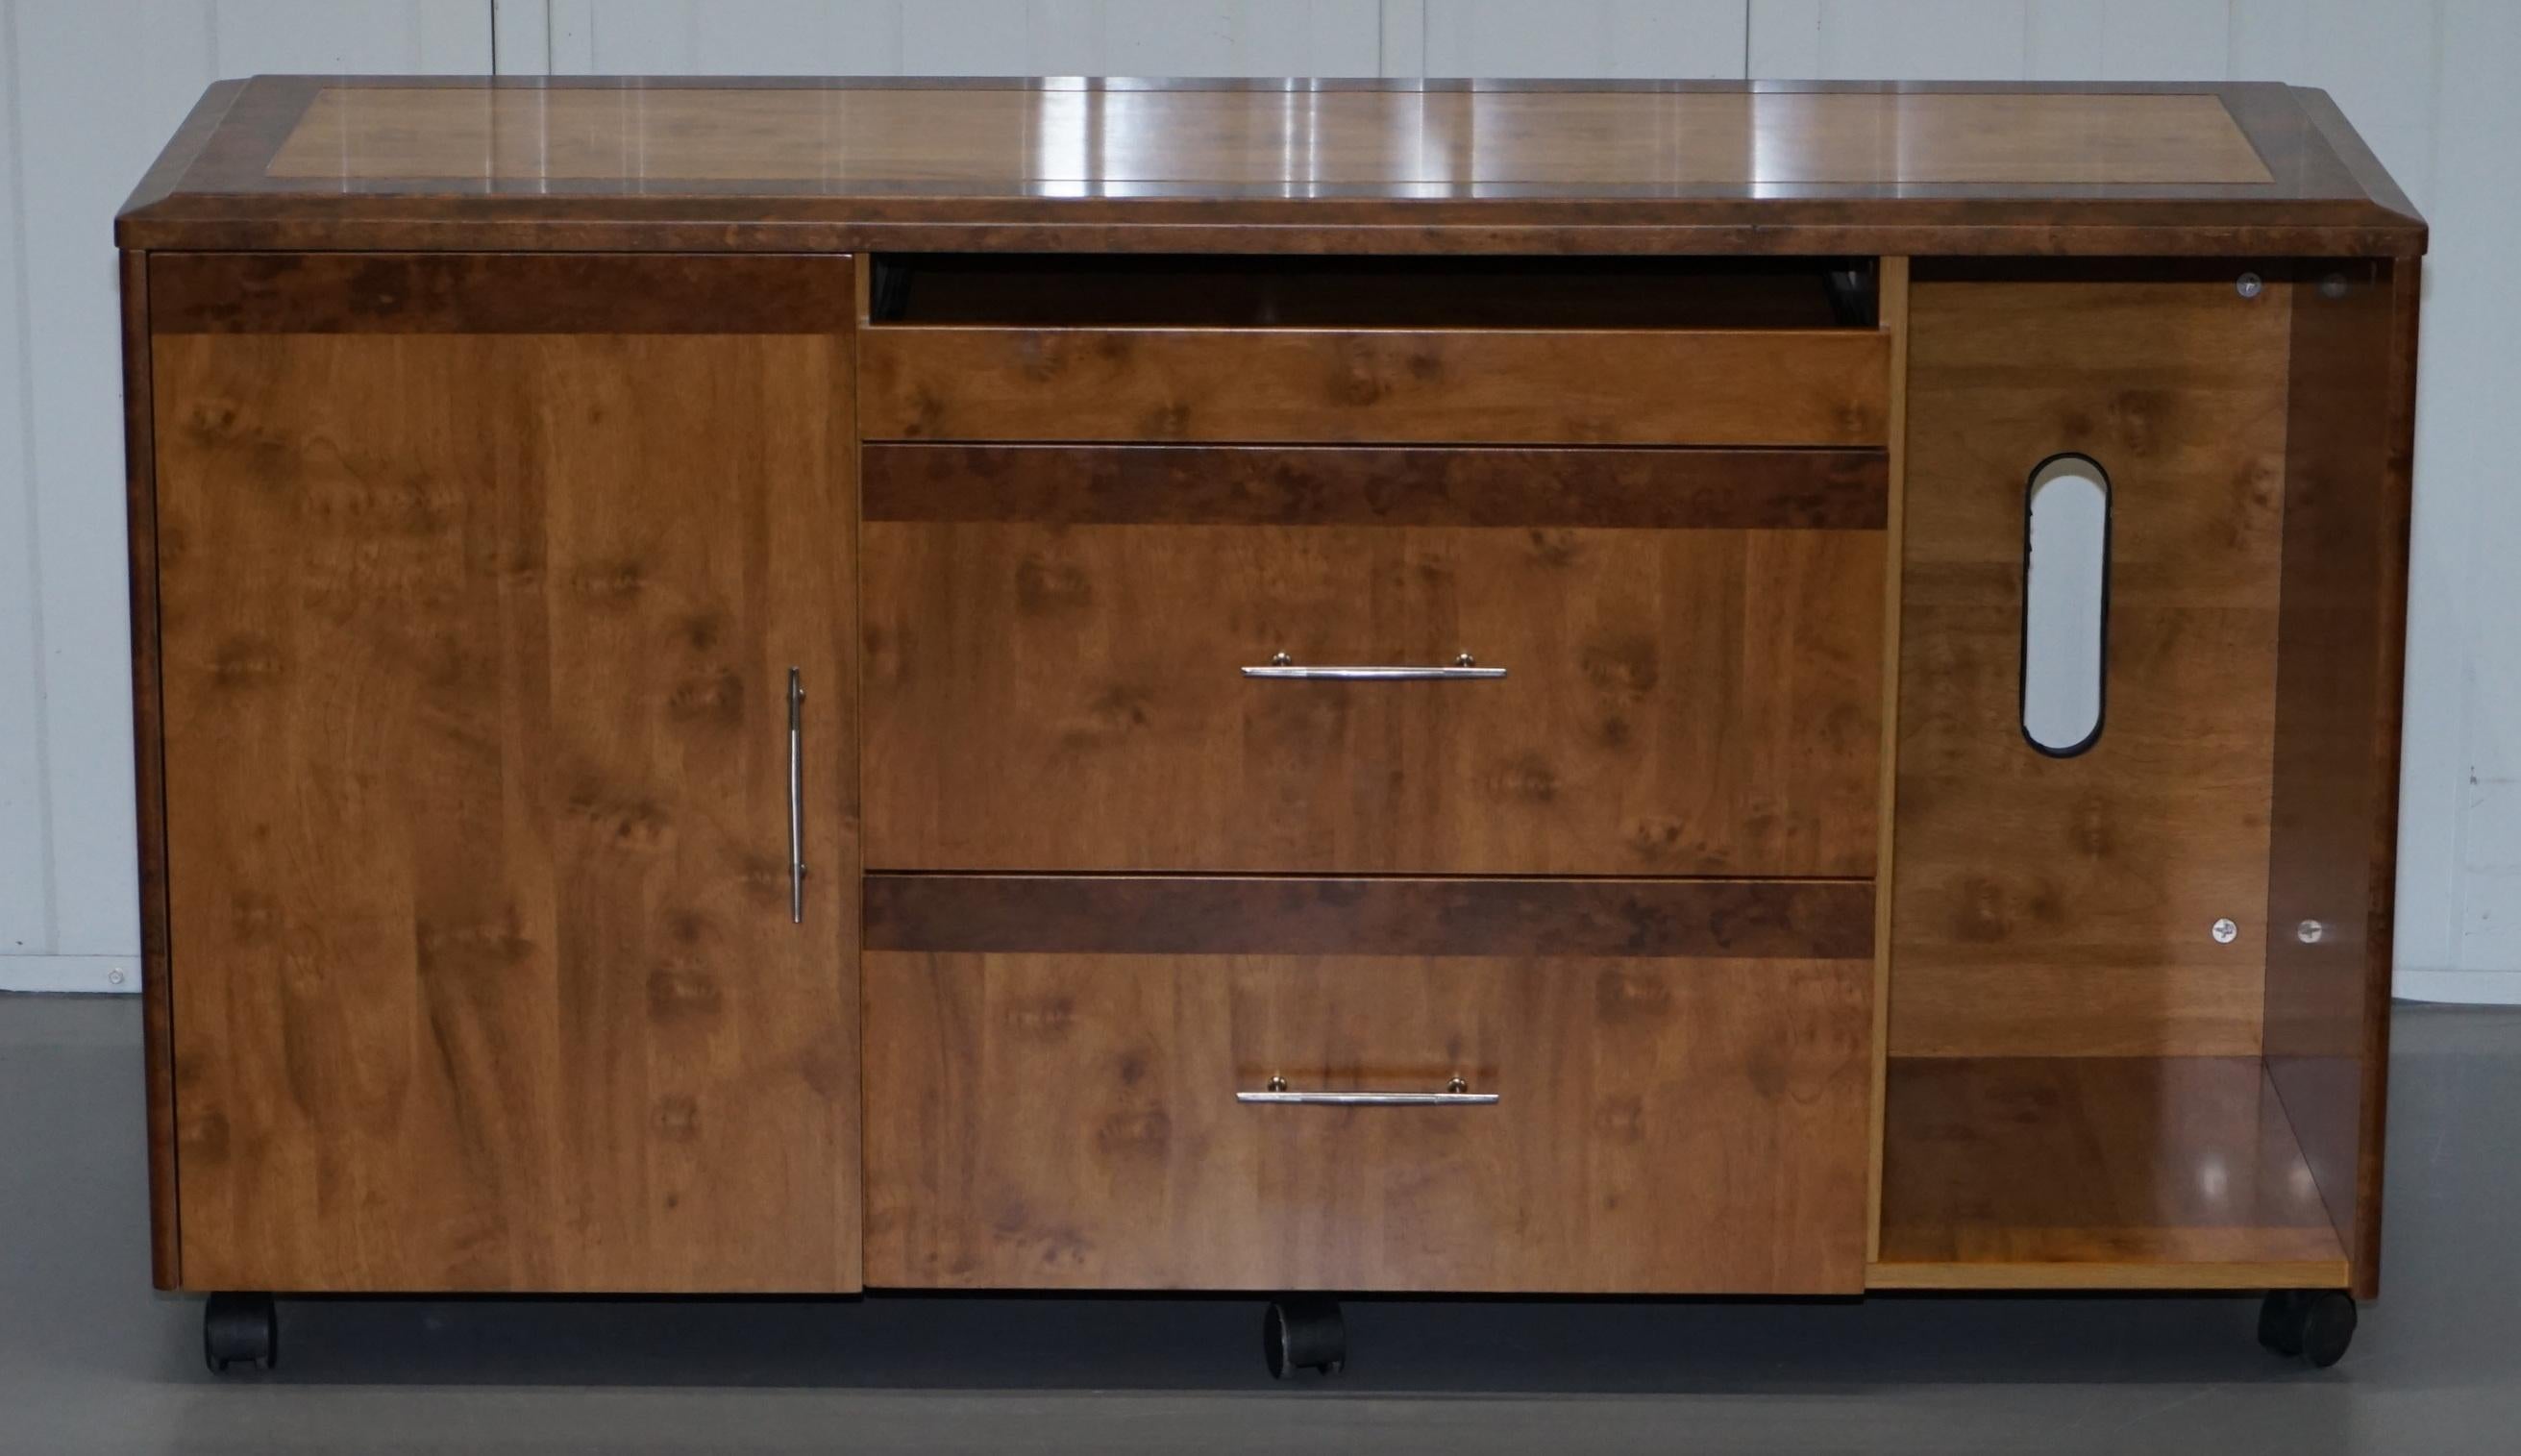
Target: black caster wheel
(2313,1325)
(240,1329)
(1304,1332)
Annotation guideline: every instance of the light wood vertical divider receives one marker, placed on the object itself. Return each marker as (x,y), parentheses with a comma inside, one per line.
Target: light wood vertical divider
(1894,322)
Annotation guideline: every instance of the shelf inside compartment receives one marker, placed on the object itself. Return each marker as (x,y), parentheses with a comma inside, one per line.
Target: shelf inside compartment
(2096,1172)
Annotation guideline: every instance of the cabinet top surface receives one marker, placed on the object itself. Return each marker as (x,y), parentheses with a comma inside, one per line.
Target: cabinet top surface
(1261,166)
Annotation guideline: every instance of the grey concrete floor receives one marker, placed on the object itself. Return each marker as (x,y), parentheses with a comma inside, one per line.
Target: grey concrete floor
(92,1360)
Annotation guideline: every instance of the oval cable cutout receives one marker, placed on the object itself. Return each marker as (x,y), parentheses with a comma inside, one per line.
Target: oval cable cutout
(2065,604)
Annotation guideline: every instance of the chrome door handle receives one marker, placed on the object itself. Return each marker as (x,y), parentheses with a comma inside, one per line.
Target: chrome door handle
(1464,667)
(1457,1093)
(796,797)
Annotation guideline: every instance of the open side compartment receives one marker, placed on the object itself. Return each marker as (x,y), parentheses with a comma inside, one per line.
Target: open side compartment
(2137,993)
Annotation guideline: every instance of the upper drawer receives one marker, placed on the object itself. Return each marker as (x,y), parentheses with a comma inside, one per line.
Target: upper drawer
(1677,659)
(1673,353)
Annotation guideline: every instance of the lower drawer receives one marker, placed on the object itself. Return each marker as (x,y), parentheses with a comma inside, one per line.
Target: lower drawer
(1679,1073)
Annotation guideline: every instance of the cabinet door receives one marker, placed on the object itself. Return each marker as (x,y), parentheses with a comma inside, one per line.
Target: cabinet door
(483,580)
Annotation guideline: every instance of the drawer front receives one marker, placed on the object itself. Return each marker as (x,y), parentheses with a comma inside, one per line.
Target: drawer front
(1058,638)
(1680,1074)
(1682,387)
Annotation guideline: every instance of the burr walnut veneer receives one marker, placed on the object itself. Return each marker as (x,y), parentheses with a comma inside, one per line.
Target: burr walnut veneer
(804,686)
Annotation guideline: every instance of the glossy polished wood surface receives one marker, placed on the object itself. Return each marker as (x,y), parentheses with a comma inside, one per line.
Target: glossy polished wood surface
(1610,387)
(2062,1172)
(1301,165)
(1068,1122)
(1046,696)
(2063,906)
(2334,862)
(1025,140)
(476,653)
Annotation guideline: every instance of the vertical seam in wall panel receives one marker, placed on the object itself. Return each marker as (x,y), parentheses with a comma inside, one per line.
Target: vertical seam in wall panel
(2464,592)
(21,287)
(2434,113)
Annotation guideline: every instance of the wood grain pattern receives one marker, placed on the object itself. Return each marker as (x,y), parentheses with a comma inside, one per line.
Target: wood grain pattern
(367,292)
(1320,166)
(2082,1172)
(1603,386)
(1069,698)
(1285,915)
(2333,859)
(490,462)
(1395,486)
(1895,277)
(1046,1122)
(476,790)
(157,989)
(1024,138)
(2063,905)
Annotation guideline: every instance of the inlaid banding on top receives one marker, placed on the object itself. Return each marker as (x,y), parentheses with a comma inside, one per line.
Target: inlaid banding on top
(1021,137)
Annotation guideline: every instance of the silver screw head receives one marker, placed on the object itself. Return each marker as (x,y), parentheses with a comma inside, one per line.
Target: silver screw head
(1277,1084)
(1457,1085)
(2225,933)
(114,978)
(1281,660)
(1466,660)
(2249,285)
(2309,932)
(2333,286)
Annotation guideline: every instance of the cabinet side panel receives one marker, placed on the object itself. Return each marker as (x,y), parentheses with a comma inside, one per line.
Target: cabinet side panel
(2064,907)
(477,650)
(2333,859)
(156,990)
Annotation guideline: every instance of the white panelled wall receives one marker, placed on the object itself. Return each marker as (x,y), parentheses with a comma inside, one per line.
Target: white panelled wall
(90,88)
(89,91)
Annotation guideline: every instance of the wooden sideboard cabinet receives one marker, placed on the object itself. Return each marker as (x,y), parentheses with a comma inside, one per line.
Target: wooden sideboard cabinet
(1303,687)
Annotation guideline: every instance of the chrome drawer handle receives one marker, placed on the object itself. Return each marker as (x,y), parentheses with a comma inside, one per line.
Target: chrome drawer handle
(1457,1093)
(796,797)
(1464,667)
